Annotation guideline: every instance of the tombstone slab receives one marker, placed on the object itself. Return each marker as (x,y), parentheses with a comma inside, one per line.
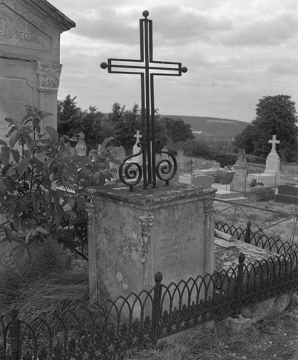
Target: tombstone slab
(133,235)
(29,58)
(202,180)
(287,194)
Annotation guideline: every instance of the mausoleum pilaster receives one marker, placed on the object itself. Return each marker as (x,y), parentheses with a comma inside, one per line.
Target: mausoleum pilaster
(48,83)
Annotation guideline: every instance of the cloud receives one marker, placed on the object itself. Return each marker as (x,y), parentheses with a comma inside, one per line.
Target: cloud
(263,31)
(236,50)
(183,25)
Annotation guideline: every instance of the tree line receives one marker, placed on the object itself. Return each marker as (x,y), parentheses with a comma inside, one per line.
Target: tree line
(275,115)
(120,123)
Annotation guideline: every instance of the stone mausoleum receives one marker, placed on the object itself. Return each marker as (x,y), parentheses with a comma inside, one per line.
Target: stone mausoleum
(29,58)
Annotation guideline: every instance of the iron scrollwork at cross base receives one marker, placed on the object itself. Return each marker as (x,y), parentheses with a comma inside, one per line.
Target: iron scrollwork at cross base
(132,172)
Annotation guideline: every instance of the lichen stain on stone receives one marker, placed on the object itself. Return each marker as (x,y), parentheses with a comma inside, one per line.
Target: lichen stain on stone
(127,249)
(125,286)
(134,255)
(119,276)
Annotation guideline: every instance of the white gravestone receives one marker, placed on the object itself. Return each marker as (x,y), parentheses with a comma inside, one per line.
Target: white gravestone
(136,149)
(273,160)
(271,175)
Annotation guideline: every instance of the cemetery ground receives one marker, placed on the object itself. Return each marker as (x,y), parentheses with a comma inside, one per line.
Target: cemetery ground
(45,288)
(275,337)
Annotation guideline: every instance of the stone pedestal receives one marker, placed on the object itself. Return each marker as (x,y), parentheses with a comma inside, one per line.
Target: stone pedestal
(133,235)
(272,164)
(239,179)
(29,59)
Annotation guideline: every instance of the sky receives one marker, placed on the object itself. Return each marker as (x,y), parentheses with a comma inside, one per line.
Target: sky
(236,52)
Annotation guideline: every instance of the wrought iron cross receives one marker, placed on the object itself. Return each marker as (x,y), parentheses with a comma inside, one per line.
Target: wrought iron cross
(131,172)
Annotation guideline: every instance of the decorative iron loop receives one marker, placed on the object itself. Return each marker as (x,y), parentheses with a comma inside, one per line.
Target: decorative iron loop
(166,167)
(132,170)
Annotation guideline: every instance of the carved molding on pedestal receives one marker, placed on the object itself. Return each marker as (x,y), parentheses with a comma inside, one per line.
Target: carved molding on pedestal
(146,226)
(208,206)
(48,76)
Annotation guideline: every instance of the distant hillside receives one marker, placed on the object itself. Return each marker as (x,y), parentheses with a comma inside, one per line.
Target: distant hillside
(216,127)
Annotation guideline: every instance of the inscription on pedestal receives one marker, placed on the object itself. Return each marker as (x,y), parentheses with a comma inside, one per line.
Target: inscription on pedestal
(173,253)
(16,31)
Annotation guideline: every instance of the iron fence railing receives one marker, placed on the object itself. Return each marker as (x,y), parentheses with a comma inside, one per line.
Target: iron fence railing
(257,238)
(110,329)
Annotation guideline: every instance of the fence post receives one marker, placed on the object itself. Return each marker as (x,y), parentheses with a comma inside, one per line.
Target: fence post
(14,330)
(239,282)
(248,232)
(156,309)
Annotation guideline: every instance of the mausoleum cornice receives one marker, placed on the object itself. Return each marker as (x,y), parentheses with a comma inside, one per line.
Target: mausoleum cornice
(55,14)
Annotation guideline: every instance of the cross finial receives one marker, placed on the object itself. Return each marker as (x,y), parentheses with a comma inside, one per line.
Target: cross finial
(273,142)
(145,13)
(138,136)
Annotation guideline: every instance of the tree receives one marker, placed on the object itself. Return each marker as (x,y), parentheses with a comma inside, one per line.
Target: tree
(177,131)
(198,147)
(68,116)
(126,123)
(275,115)
(73,120)
(90,123)
(245,140)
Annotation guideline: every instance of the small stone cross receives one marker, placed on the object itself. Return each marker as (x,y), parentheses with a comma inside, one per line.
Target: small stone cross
(274,142)
(138,136)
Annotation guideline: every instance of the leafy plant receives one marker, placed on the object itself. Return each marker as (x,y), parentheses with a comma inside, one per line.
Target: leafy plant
(43,187)
(254,182)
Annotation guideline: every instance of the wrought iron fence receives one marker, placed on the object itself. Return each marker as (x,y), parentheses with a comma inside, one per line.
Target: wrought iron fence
(257,238)
(113,328)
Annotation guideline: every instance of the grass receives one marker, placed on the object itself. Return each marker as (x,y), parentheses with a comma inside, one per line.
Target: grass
(42,288)
(273,338)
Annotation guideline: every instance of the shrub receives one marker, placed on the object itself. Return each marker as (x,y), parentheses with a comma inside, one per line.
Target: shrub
(43,187)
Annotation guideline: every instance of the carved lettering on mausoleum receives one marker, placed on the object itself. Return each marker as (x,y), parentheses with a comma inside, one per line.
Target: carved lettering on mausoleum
(17,31)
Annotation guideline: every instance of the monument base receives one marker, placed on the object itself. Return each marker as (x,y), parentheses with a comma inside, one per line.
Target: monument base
(133,235)
(239,179)
(268,179)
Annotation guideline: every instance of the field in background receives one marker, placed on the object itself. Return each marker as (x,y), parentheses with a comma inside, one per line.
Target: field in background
(274,224)
(215,127)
